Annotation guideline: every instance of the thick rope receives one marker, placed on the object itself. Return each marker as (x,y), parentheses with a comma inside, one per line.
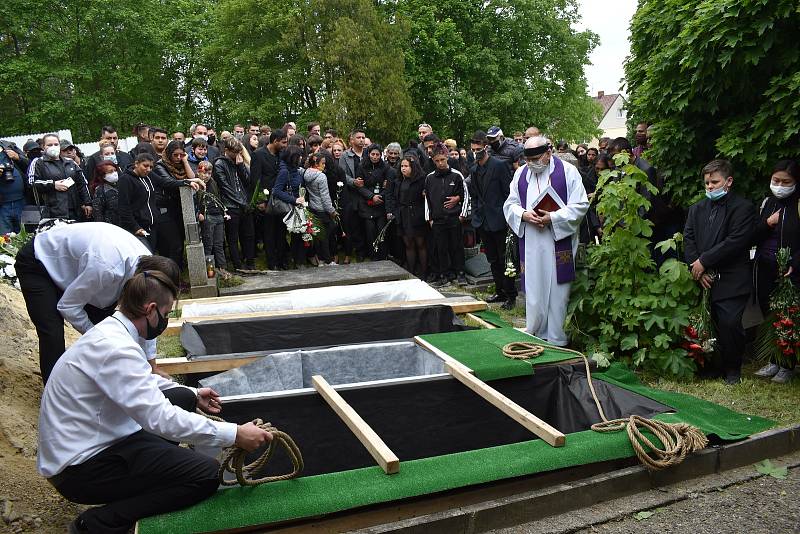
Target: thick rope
(232,459)
(677,439)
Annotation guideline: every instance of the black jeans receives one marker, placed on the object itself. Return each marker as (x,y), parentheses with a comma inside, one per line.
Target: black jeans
(448,241)
(495,244)
(354,226)
(325,244)
(140,476)
(239,230)
(41,299)
(213,233)
(372,228)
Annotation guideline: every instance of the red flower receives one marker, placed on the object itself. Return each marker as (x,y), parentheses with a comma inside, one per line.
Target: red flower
(695,347)
(787,322)
(307,244)
(788,351)
(782,343)
(691,332)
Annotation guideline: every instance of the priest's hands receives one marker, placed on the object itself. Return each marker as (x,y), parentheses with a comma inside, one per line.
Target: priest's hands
(541,218)
(697,269)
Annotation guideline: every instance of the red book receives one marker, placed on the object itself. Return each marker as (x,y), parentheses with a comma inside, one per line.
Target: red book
(547,203)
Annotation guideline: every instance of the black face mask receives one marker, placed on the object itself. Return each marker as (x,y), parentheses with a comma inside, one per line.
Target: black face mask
(212,139)
(154,332)
(495,145)
(479,154)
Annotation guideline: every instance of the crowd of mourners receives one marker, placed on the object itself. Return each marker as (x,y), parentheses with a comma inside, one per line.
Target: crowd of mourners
(419,204)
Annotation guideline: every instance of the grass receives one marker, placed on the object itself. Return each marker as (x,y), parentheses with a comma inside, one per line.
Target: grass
(169,346)
(753,396)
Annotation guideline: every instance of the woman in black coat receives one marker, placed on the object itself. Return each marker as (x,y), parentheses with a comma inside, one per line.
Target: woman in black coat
(778,227)
(377,176)
(410,214)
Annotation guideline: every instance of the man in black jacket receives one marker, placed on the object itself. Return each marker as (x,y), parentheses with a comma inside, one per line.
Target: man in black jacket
(233,180)
(506,150)
(264,167)
(52,178)
(488,191)
(717,239)
(446,206)
(123,160)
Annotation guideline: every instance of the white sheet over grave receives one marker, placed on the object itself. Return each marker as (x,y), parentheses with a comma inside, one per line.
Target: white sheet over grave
(318,297)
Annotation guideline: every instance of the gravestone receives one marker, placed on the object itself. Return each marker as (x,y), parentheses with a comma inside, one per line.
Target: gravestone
(200,285)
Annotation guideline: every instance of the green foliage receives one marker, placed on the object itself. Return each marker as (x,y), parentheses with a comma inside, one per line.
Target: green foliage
(460,65)
(515,63)
(719,78)
(621,306)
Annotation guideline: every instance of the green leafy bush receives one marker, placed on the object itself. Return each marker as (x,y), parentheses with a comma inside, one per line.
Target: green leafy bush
(621,307)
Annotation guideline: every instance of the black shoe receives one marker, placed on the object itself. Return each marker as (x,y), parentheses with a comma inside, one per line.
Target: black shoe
(731,379)
(510,304)
(462,279)
(496,298)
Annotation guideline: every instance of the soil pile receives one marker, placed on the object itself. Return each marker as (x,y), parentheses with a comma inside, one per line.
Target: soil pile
(27,502)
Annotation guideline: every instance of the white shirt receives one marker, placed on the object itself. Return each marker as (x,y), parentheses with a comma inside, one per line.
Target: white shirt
(103,390)
(89,262)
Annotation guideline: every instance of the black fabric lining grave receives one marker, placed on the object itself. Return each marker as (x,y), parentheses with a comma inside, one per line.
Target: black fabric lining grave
(437,417)
(317,329)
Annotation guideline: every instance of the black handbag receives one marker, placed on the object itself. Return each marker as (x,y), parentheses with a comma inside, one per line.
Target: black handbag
(276,206)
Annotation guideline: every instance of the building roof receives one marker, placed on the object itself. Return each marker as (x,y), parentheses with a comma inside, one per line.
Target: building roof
(606,101)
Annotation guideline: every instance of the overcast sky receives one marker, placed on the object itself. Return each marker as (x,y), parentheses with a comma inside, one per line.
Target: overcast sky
(610,20)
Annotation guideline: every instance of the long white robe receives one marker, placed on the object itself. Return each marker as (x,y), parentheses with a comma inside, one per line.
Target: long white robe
(545,299)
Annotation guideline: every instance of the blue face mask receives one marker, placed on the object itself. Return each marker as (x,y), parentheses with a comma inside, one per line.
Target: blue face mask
(717,194)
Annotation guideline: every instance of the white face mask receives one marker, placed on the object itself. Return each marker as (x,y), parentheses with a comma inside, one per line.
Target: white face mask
(111,157)
(781,191)
(203,137)
(112,177)
(537,166)
(53,151)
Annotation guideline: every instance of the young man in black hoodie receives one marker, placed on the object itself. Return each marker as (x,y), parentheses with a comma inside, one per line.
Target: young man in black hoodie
(446,206)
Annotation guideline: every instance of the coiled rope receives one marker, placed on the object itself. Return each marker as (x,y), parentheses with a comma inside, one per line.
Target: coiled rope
(677,439)
(232,459)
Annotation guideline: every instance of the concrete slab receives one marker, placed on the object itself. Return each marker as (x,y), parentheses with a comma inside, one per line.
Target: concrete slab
(333,275)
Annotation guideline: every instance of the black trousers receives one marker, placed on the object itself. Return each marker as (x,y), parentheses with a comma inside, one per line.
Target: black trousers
(727,317)
(495,244)
(140,476)
(170,234)
(273,233)
(448,242)
(371,229)
(325,244)
(239,231)
(41,299)
(354,226)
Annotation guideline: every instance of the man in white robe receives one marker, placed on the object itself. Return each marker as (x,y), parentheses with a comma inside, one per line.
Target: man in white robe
(547,237)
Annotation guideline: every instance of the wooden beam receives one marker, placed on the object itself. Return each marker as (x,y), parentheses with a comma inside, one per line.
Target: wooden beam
(184,366)
(480,321)
(373,443)
(443,355)
(464,304)
(507,406)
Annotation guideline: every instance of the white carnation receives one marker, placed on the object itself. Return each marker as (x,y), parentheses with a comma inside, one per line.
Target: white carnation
(5,258)
(266,191)
(10,271)
(339,184)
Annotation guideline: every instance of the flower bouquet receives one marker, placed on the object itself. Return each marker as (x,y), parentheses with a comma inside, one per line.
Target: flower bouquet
(260,196)
(510,271)
(9,247)
(301,221)
(784,305)
(699,340)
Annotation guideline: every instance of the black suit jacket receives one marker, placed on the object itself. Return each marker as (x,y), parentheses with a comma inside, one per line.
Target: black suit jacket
(488,191)
(724,244)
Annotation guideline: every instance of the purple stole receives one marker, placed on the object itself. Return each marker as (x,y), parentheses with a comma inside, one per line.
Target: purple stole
(565,266)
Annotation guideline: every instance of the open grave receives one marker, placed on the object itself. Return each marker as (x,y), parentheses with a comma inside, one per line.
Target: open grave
(448,430)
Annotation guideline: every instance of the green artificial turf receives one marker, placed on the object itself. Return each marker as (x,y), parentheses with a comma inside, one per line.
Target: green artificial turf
(482,351)
(324,494)
(492,317)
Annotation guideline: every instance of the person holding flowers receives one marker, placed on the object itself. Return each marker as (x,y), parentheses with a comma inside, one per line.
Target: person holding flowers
(287,188)
(777,229)
(717,238)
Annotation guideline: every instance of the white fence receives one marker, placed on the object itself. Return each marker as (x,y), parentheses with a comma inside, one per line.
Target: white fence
(88,149)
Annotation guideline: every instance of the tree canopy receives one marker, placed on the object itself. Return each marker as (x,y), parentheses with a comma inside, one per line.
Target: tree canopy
(383,65)
(718,78)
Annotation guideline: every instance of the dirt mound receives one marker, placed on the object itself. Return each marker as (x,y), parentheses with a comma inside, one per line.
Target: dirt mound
(27,501)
